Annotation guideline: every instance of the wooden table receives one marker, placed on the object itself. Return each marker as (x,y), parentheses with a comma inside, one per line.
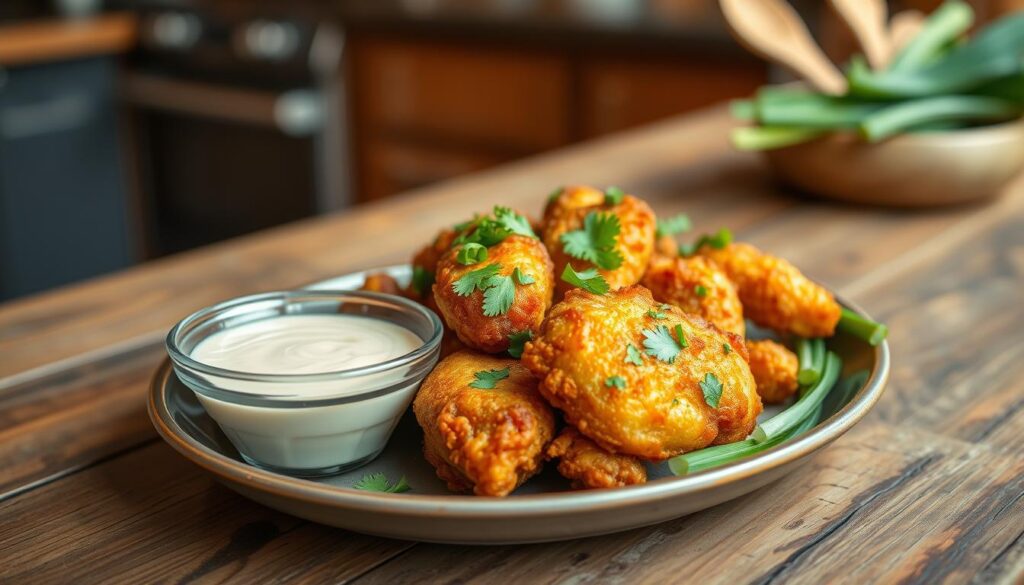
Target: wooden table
(929,488)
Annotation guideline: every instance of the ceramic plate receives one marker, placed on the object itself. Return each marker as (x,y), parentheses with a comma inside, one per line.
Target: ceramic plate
(544,509)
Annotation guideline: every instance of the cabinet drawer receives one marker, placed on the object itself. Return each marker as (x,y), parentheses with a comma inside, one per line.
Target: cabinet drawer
(620,94)
(477,95)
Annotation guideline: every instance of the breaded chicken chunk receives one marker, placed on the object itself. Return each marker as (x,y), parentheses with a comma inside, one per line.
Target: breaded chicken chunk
(381,282)
(424,266)
(775,370)
(489,301)
(588,466)
(485,426)
(698,286)
(774,293)
(615,365)
(590,229)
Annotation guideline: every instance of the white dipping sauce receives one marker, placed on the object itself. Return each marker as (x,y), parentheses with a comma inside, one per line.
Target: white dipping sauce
(309,438)
(306,344)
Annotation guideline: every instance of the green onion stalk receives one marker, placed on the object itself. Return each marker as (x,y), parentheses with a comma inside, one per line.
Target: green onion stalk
(862,327)
(795,420)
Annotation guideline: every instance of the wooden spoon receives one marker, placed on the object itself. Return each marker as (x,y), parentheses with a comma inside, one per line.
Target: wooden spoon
(773,30)
(867,19)
(903,27)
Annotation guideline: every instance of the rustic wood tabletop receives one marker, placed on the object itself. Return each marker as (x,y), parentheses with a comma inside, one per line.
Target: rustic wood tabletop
(929,488)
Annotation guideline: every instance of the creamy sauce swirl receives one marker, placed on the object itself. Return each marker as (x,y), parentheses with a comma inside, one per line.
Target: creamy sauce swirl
(306,344)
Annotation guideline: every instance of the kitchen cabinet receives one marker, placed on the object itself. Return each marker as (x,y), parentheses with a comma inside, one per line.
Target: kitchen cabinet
(424,110)
(63,211)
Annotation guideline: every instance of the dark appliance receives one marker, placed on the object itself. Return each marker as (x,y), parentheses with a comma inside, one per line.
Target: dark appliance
(236,117)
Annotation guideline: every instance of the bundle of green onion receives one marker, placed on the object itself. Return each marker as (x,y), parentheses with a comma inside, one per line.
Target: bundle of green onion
(936,82)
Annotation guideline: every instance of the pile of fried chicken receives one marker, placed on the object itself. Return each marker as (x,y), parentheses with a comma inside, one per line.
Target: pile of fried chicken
(589,338)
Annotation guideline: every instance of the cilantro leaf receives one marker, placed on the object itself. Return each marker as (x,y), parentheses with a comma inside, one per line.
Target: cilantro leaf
(595,243)
(422,280)
(499,294)
(712,389)
(522,278)
(660,344)
(378,482)
(633,355)
(513,222)
(517,342)
(655,314)
(717,240)
(475,279)
(671,226)
(488,379)
(700,290)
(589,280)
(727,348)
(613,196)
(616,381)
(471,253)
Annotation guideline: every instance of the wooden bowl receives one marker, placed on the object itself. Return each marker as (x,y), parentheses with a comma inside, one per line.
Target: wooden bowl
(910,170)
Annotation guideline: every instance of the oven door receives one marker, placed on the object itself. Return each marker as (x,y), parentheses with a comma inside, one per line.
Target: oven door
(214,162)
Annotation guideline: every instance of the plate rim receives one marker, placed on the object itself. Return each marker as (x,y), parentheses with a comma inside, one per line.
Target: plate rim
(477,507)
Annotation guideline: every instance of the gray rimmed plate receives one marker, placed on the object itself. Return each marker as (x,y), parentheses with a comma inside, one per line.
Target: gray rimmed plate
(542,510)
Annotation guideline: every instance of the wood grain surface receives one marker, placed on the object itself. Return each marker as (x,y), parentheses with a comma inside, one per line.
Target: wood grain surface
(928,489)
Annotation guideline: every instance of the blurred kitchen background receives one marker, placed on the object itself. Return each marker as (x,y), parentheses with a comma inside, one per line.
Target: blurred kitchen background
(133,129)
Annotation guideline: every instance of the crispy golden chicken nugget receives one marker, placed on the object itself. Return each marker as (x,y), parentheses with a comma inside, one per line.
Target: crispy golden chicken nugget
(775,370)
(588,466)
(774,293)
(614,364)
(696,285)
(424,266)
(505,294)
(485,426)
(381,282)
(588,229)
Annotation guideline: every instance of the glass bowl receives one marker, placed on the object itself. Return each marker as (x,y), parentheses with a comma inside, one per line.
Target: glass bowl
(307,424)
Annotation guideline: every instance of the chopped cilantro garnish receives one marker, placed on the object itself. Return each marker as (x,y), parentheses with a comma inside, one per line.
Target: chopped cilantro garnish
(700,290)
(660,344)
(555,194)
(717,240)
(633,355)
(616,381)
(613,196)
(422,280)
(712,389)
(513,222)
(664,306)
(596,241)
(727,348)
(522,278)
(475,279)
(492,229)
(499,294)
(671,226)
(589,280)
(488,379)
(517,342)
(471,253)
(655,314)
(378,482)
(680,337)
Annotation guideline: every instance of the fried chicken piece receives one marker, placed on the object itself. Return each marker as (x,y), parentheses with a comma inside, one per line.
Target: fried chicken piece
(488,440)
(424,266)
(465,314)
(696,285)
(654,410)
(667,246)
(588,466)
(774,293)
(775,370)
(381,282)
(635,242)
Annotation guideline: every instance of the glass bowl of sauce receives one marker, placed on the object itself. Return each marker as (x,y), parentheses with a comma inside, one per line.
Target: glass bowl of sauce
(307,383)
